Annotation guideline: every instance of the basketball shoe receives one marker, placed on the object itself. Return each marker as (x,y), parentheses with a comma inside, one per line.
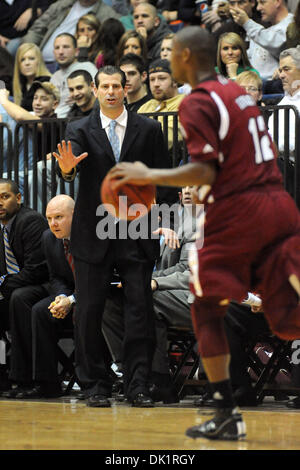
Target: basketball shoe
(227,424)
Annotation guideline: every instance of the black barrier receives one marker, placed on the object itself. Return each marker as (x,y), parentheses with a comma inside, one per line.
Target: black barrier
(284,126)
(25,154)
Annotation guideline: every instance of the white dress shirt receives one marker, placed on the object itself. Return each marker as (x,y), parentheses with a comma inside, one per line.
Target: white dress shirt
(120,126)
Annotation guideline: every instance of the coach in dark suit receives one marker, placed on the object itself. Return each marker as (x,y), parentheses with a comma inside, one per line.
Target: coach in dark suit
(171,299)
(53,313)
(23,272)
(134,138)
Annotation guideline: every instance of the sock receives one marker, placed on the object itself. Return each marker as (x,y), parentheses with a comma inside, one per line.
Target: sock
(222,394)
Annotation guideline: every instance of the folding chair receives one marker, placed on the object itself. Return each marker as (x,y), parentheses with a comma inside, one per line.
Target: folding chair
(184,360)
(67,373)
(267,368)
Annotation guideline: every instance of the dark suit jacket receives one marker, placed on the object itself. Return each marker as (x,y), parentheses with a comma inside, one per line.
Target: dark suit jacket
(61,276)
(25,241)
(143,141)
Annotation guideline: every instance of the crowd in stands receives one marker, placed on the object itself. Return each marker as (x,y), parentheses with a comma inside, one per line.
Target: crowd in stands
(50,53)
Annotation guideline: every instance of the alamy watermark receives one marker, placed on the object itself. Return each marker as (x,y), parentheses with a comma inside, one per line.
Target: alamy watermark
(295,357)
(187,220)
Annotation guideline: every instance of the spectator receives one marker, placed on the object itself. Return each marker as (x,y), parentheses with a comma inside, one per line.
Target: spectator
(165,96)
(136,76)
(45,101)
(52,314)
(289,74)
(166,47)
(29,66)
(132,42)
(218,26)
(87,36)
(232,58)
(293,30)
(110,34)
(62,16)
(265,43)
(252,83)
(81,90)
(16,17)
(127,19)
(23,274)
(148,24)
(65,54)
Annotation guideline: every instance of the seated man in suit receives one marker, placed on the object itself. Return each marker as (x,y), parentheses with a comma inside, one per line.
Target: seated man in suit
(53,313)
(23,272)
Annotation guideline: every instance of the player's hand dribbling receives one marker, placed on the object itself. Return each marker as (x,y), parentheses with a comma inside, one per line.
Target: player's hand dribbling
(66,159)
(134,173)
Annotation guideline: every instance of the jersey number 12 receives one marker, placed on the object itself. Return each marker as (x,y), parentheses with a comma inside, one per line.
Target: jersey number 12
(262,145)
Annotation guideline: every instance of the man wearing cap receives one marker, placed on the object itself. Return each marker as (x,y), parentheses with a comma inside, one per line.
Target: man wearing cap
(166,97)
(45,100)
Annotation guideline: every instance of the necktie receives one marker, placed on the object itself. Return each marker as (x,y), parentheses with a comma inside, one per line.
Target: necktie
(12,266)
(114,139)
(69,256)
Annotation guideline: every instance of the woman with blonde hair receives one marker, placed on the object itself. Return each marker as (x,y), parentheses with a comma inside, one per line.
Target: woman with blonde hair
(232,58)
(132,42)
(29,66)
(87,35)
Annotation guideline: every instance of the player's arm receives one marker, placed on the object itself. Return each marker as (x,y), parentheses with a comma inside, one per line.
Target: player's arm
(191,174)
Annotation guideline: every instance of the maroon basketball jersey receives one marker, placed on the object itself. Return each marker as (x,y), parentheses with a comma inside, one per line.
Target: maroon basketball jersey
(221,122)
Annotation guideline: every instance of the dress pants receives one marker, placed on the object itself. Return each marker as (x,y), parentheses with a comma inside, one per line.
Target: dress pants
(92,287)
(20,305)
(171,309)
(46,332)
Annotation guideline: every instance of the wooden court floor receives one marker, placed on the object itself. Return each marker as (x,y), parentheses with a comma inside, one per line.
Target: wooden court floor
(68,424)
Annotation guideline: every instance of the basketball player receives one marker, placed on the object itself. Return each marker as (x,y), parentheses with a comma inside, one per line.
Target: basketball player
(252,226)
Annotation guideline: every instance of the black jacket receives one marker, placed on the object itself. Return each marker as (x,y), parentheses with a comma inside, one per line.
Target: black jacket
(25,241)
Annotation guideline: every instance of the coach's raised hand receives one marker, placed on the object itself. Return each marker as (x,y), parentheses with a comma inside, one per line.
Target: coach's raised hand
(65,157)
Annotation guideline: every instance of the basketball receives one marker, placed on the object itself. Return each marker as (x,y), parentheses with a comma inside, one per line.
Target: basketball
(129,201)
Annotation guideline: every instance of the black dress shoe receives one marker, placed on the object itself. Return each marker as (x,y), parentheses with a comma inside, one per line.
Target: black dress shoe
(98,401)
(294,403)
(142,401)
(165,394)
(245,396)
(51,390)
(13,392)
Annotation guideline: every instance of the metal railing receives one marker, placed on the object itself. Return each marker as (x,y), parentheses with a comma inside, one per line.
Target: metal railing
(23,152)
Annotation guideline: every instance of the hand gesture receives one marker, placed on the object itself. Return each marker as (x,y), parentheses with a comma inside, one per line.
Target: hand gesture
(142,30)
(60,307)
(239,16)
(66,159)
(232,69)
(84,41)
(170,237)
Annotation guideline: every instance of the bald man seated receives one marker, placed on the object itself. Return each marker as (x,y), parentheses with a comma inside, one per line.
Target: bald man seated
(54,313)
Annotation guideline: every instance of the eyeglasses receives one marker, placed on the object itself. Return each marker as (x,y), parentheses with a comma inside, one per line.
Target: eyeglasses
(250,88)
